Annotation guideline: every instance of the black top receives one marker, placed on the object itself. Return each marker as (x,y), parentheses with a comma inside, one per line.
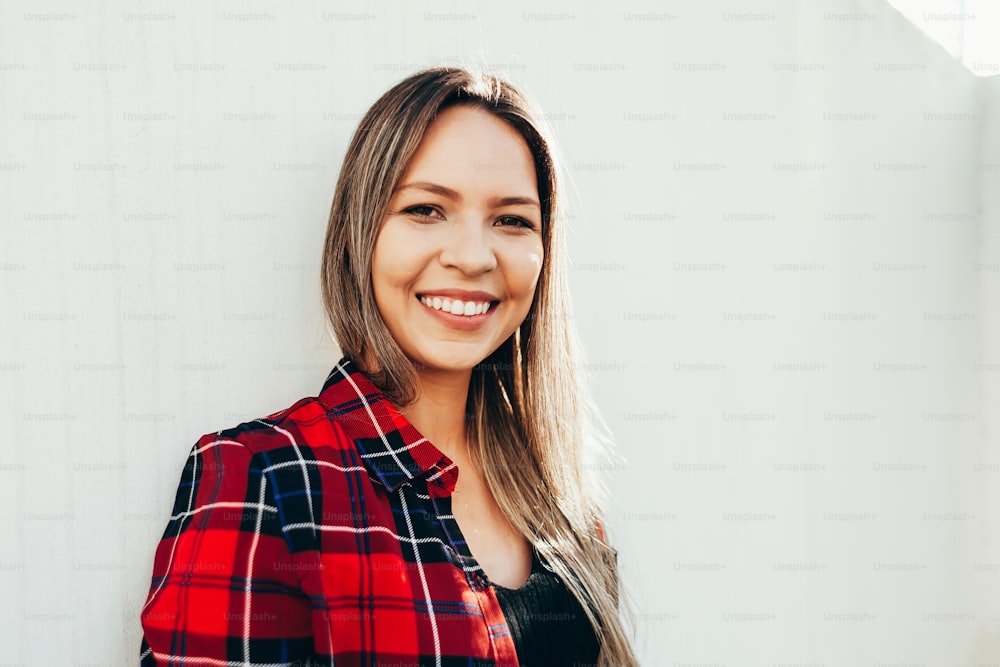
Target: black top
(547,623)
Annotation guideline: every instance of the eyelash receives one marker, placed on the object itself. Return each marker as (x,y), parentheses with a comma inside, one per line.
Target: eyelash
(413,211)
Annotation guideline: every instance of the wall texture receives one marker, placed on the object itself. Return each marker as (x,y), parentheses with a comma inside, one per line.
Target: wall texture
(785,265)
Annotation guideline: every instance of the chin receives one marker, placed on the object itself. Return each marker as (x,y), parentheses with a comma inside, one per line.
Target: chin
(456,361)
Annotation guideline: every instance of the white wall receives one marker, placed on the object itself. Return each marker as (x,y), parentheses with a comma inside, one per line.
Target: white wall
(791,341)
(987,554)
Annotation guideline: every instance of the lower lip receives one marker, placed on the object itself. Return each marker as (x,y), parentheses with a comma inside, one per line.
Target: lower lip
(464,322)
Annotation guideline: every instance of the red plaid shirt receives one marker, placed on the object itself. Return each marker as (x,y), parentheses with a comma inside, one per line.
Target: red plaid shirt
(320,535)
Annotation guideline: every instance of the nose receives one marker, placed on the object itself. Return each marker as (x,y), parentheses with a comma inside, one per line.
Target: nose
(469,248)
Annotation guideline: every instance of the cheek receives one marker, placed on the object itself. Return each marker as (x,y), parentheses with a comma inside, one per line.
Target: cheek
(530,266)
(522,267)
(385,277)
(393,259)
(536,261)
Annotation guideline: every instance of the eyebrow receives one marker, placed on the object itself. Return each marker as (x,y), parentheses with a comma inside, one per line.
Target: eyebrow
(494,202)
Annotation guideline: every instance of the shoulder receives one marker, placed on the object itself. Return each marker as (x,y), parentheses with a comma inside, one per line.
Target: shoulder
(283,449)
(281,463)
(304,424)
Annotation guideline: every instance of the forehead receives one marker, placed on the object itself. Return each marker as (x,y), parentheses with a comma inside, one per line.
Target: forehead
(476,152)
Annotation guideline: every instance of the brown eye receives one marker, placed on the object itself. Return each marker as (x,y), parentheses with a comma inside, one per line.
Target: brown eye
(513,220)
(420,211)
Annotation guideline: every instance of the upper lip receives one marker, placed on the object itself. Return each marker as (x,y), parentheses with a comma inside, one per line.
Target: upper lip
(464,295)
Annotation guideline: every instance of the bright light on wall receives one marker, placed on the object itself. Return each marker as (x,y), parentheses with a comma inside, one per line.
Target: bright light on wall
(967,29)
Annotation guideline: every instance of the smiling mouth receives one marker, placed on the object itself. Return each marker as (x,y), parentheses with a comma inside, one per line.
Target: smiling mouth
(457,306)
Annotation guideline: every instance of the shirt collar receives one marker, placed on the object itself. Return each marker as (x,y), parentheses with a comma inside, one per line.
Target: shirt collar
(391,448)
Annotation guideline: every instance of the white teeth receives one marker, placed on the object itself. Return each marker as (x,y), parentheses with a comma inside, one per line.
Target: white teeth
(456,307)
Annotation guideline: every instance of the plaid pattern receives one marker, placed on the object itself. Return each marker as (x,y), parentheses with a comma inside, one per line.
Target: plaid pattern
(320,535)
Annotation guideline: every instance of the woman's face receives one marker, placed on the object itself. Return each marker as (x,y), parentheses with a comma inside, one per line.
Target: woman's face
(460,249)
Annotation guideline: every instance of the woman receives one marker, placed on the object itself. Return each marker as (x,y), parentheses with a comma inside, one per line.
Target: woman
(430,506)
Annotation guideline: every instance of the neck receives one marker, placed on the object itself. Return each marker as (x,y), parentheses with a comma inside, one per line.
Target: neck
(439,411)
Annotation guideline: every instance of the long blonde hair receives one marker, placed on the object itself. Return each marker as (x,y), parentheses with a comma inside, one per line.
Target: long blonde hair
(533,422)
